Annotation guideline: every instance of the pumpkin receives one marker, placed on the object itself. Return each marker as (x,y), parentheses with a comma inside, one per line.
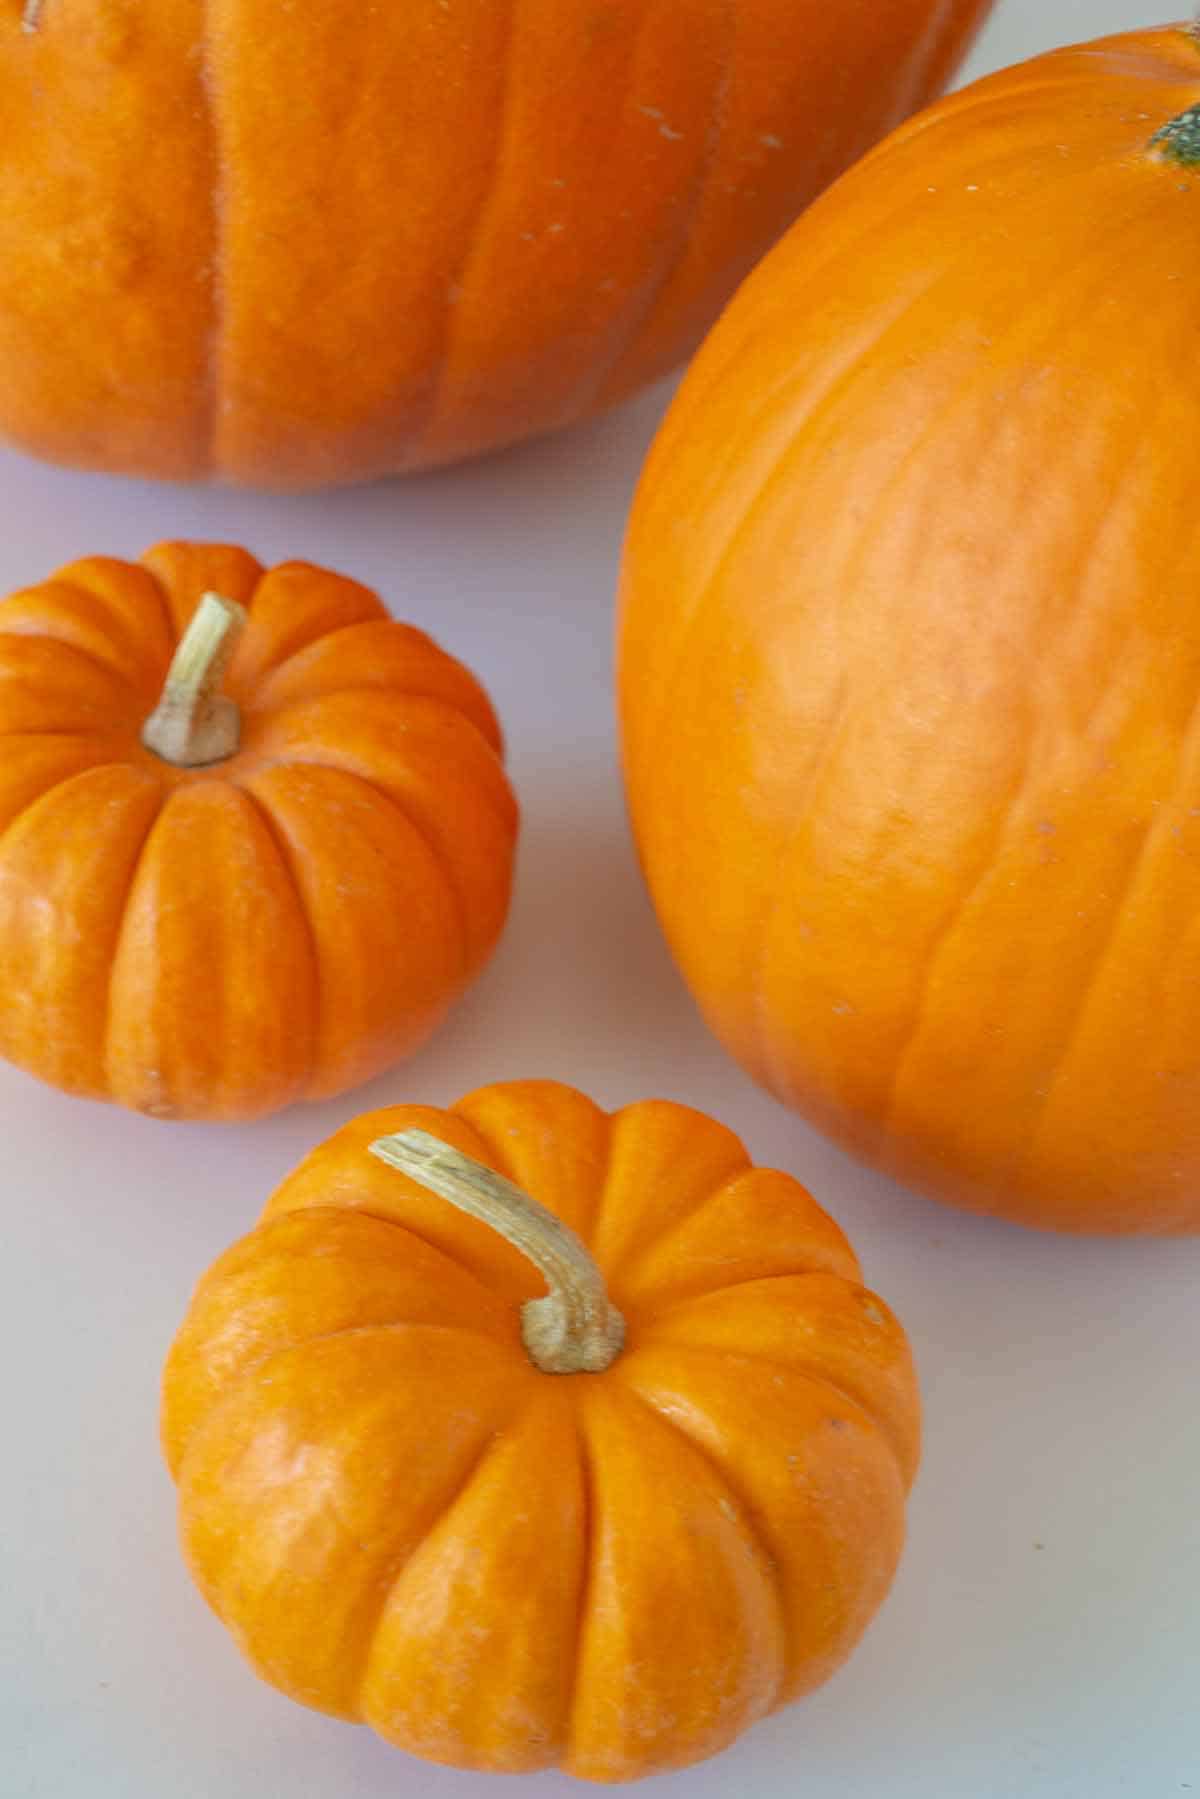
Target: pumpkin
(215,902)
(911,651)
(321,243)
(608,1525)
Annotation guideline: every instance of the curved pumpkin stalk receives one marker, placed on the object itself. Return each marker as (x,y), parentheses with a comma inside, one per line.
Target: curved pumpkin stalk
(574,1328)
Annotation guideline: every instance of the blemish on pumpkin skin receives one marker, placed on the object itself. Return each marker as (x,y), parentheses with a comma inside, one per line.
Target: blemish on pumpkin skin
(116,251)
(117,33)
(599,24)
(664,129)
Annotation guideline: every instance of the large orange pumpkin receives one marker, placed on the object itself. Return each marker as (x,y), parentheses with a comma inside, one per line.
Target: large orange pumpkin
(291,245)
(607,1528)
(214,903)
(911,651)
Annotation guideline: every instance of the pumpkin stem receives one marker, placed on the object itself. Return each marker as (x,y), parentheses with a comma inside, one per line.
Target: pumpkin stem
(575,1329)
(193,724)
(31,18)
(1179,138)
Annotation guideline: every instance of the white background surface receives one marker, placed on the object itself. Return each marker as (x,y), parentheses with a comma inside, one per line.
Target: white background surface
(1043,1638)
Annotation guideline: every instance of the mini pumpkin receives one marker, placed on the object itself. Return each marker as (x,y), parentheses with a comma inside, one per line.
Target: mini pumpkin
(320,243)
(911,651)
(234,878)
(608,1526)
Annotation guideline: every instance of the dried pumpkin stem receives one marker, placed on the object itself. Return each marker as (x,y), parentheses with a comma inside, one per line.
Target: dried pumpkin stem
(31,18)
(193,723)
(575,1329)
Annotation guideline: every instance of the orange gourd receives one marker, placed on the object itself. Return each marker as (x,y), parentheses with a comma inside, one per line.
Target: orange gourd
(911,651)
(607,1528)
(213,903)
(298,245)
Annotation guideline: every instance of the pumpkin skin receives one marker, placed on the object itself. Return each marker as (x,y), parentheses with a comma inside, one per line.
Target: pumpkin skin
(218,942)
(382,238)
(403,1521)
(911,653)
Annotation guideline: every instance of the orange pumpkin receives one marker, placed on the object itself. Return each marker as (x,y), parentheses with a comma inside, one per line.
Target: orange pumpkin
(296,245)
(223,902)
(607,1528)
(911,651)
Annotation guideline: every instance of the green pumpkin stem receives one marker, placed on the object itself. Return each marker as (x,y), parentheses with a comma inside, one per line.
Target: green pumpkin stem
(1179,138)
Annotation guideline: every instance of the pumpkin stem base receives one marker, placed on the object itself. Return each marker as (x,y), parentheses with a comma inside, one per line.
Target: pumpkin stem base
(1179,138)
(194,725)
